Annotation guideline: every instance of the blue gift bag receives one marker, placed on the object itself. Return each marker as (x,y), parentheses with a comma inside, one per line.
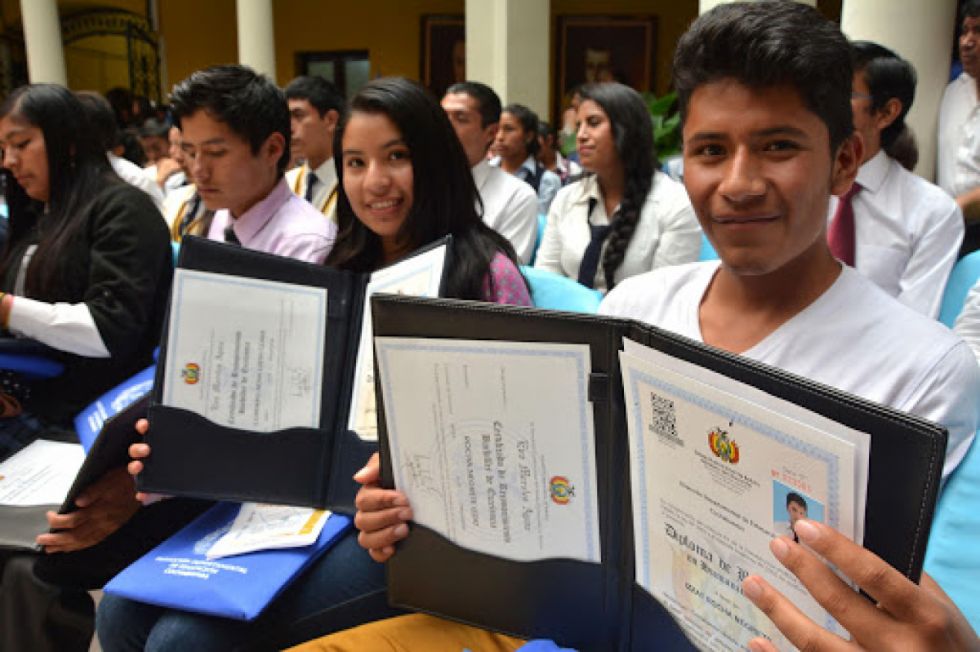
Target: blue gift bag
(177,574)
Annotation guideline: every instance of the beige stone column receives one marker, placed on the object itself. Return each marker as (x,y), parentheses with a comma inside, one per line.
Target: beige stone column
(919,32)
(42,38)
(256,40)
(508,47)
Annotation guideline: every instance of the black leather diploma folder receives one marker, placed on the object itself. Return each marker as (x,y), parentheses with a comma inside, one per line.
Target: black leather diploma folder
(598,606)
(193,456)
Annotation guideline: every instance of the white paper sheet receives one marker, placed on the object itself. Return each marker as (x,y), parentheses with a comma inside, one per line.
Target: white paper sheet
(40,473)
(418,276)
(711,471)
(259,526)
(244,352)
(493,443)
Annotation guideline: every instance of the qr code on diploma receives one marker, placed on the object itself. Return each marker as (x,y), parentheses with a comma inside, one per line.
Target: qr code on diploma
(663,417)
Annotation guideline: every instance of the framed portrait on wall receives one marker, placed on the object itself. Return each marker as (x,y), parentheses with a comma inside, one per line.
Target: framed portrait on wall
(442,59)
(604,48)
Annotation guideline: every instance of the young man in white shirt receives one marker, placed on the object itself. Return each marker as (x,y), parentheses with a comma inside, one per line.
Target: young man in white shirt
(764,90)
(315,107)
(906,231)
(767,139)
(510,206)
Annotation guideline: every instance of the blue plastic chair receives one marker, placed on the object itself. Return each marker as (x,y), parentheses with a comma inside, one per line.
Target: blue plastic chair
(542,222)
(707,251)
(964,275)
(29,358)
(556,292)
(951,557)
(956,525)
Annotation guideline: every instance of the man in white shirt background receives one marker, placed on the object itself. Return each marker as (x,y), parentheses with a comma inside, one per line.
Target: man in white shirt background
(958,160)
(905,232)
(315,106)
(510,206)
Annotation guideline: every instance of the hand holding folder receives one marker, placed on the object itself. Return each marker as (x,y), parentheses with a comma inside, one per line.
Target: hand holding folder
(101,509)
(907,616)
(383,514)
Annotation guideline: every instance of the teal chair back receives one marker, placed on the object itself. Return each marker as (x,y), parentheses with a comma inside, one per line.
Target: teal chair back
(542,222)
(707,251)
(964,275)
(951,558)
(556,292)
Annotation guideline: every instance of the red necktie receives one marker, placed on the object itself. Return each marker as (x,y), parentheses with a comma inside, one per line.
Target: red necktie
(840,236)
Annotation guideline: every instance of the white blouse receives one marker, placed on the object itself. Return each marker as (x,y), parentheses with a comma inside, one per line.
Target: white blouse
(667,233)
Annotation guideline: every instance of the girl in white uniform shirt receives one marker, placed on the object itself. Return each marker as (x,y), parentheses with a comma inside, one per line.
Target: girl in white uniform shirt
(624,217)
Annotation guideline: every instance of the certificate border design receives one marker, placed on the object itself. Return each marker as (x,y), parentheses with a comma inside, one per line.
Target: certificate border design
(182,276)
(580,373)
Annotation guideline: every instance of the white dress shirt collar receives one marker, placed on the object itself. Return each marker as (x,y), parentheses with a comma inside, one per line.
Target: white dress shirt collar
(872,174)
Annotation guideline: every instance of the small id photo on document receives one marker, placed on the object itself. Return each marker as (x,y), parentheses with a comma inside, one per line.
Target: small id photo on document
(790,504)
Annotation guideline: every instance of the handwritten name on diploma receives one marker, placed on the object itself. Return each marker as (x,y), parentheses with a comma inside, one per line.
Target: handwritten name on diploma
(493,464)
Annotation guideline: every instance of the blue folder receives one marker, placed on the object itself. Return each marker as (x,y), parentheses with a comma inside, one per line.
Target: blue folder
(89,421)
(177,574)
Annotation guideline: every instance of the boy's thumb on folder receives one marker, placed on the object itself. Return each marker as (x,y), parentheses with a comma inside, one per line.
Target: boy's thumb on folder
(371,471)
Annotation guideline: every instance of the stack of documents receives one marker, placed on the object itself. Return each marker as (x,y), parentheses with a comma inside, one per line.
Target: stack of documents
(32,481)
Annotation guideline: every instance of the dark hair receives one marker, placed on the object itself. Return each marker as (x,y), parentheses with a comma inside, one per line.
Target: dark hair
(132,149)
(251,105)
(486,98)
(153,128)
(970,9)
(766,44)
(121,101)
(793,497)
(445,195)
(887,75)
(529,123)
(905,149)
(78,170)
(316,90)
(545,129)
(633,137)
(101,119)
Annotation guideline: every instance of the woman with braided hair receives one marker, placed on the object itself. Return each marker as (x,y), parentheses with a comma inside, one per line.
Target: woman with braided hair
(624,217)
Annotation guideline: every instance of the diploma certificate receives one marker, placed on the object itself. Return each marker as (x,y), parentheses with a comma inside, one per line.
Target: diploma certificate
(714,478)
(245,352)
(492,442)
(40,473)
(418,276)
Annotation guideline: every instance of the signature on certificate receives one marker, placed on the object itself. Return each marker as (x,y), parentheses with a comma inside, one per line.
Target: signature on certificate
(299,382)
(419,472)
